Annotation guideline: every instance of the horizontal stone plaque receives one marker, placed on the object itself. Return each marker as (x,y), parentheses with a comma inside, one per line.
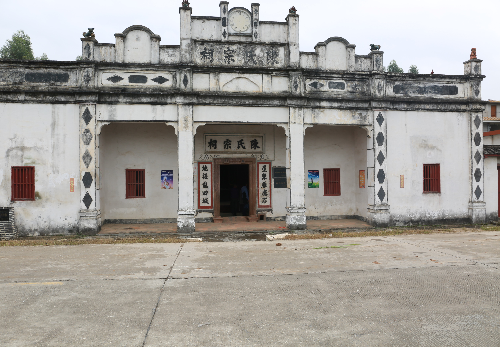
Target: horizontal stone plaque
(238,144)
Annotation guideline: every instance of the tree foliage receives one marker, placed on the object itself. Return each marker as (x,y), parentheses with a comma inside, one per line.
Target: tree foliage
(19,47)
(394,68)
(413,69)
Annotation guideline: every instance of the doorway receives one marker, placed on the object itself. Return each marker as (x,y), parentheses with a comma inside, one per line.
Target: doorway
(498,205)
(232,179)
(229,172)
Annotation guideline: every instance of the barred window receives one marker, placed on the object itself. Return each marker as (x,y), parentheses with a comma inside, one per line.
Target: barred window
(331,180)
(136,183)
(23,183)
(432,181)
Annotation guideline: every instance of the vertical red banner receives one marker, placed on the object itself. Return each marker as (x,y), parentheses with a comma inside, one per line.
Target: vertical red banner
(361,178)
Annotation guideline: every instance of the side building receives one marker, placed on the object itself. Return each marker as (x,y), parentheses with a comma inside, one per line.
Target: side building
(143,132)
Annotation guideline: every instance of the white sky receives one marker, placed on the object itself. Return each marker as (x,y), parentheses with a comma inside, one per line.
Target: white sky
(432,34)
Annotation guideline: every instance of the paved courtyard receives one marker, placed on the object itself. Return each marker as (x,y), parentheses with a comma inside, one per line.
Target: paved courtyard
(417,290)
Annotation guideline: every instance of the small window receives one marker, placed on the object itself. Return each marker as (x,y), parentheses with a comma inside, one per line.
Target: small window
(493,110)
(331,179)
(136,185)
(23,183)
(432,182)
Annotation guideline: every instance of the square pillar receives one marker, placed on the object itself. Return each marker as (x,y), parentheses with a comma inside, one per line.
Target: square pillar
(379,209)
(185,152)
(255,22)
(477,206)
(88,48)
(89,222)
(186,42)
(224,11)
(293,39)
(296,218)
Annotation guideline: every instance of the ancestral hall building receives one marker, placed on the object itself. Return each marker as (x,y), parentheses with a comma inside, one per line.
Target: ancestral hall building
(142,132)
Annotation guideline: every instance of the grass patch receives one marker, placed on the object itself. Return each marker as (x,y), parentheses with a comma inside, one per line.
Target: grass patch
(383,232)
(83,240)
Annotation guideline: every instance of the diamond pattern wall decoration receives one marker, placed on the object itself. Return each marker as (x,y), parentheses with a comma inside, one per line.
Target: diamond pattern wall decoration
(478,192)
(87,200)
(477,139)
(380,139)
(478,175)
(381,176)
(87,158)
(381,194)
(87,116)
(478,157)
(477,122)
(380,157)
(87,137)
(87,179)
(380,119)
(185,81)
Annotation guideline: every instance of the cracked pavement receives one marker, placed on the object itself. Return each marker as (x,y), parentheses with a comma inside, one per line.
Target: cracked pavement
(415,290)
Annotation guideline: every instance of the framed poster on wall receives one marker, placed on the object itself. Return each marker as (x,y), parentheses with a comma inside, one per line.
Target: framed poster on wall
(205,190)
(264,181)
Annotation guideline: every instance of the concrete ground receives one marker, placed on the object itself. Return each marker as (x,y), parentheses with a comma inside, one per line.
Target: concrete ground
(160,228)
(417,290)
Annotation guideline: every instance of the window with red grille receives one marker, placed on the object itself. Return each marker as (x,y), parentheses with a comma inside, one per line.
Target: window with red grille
(432,182)
(331,179)
(23,183)
(136,184)
(493,110)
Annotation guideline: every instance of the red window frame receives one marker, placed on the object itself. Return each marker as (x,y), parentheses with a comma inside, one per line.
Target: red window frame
(135,183)
(432,178)
(23,183)
(493,110)
(331,182)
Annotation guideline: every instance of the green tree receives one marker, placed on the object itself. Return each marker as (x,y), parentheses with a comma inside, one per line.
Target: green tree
(394,68)
(413,69)
(19,47)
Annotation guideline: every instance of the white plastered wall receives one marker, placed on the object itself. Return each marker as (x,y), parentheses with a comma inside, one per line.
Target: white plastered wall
(417,138)
(275,152)
(42,135)
(341,147)
(149,146)
(491,187)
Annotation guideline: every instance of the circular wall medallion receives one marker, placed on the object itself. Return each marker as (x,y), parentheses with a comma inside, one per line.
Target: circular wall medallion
(240,21)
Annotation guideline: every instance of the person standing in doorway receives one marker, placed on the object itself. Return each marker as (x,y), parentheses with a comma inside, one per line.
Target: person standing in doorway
(244,200)
(235,200)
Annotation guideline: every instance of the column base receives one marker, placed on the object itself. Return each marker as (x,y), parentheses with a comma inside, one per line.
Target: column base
(296,218)
(185,221)
(477,212)
(379,215)
(89,222)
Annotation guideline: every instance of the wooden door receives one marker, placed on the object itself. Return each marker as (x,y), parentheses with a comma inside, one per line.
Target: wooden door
(252,182)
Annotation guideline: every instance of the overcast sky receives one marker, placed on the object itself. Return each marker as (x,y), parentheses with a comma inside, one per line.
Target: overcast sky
(432,34)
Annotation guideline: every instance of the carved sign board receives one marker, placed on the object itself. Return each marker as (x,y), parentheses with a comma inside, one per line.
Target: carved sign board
(214,54)
(205,196)
(231,143)
(279,176)
(264,176)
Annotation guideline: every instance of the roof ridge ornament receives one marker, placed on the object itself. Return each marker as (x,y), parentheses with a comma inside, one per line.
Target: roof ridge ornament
(292,10)
(185,3)
(473,53)
(89,34)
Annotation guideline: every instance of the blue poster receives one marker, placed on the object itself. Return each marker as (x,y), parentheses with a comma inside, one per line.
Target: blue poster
(313,179)
(167,179)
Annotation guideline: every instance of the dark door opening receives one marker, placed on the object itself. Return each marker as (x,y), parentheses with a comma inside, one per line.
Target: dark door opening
(498,170)
(232,179)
